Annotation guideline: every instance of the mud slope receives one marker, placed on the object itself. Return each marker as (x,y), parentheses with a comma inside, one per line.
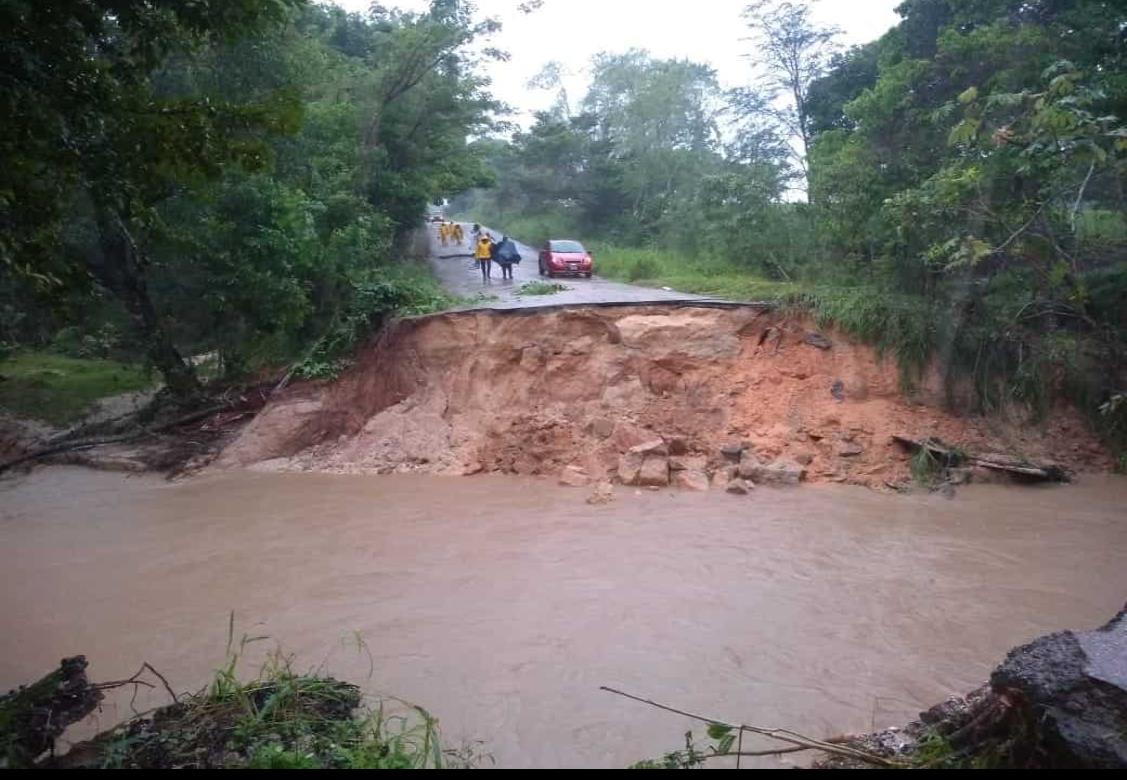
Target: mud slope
(534,392)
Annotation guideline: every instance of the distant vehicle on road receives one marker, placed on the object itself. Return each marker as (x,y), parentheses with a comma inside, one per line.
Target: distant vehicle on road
(436,218)
(566,257)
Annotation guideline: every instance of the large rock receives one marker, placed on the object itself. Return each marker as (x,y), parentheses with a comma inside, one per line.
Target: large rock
(1059,702)
(749,465)
(1071,688)
(687,462)
(654,471)
(628,467)
(655,446)
(738,486)
(779,472)
(732,452)
(815,339)
(691,479)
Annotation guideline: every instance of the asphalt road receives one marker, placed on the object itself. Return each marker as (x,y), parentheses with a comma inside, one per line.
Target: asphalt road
(459,275)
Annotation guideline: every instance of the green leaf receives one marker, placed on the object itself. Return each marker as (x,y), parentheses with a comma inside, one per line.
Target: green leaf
(964,132)
(968,95)
(718,730)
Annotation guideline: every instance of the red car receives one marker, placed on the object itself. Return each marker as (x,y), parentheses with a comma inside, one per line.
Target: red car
(566,257)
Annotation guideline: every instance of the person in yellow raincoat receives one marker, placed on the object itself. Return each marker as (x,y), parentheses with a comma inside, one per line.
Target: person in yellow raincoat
(443,233)
(483,253)
(458,234)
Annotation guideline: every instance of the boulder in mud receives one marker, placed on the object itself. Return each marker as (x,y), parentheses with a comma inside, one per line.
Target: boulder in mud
(655,446)
(749,465)
(687,462)
(629,465)
(816,339)
(779,472)
(574,476)
(654,471)
(738,487)
(691,479)
(849,449)
(732,452)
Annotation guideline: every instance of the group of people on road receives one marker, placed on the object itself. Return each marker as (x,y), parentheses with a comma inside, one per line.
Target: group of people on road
(488,251)
(451,232)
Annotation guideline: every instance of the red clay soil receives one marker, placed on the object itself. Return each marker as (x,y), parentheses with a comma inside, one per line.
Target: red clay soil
(534,392)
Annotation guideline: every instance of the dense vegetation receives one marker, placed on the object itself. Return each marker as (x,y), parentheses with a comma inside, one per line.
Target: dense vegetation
(229,177)
(963,179)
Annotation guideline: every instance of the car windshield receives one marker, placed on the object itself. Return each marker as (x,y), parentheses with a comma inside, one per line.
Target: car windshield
(565,246)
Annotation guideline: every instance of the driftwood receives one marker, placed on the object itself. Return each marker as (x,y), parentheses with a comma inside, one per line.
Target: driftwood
(83,444)
(31,718)
(949,456)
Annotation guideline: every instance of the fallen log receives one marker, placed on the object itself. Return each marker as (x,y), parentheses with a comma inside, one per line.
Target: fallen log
(950,456)
(83,444)
(32,717)
(1046,472)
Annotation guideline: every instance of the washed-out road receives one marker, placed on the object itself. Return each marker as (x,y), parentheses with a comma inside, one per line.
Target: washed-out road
(459,275)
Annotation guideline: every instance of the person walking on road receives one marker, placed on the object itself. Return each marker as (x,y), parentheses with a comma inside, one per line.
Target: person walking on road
(458,235)
(506,254)
(443,232)
(483,253)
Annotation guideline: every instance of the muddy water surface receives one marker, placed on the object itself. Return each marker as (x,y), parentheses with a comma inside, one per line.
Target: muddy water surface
(502,605)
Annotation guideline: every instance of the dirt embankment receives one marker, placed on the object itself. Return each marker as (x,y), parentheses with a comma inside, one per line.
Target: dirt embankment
(536,392)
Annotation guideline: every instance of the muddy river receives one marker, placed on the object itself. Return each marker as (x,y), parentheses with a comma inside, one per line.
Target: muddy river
(502,604)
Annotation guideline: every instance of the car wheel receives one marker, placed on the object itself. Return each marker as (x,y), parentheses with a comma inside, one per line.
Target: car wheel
(540,268)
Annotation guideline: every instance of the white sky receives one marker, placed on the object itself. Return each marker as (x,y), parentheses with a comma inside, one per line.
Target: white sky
(571,31)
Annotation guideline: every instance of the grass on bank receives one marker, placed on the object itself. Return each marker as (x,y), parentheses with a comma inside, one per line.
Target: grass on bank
(280,719)
(58,389)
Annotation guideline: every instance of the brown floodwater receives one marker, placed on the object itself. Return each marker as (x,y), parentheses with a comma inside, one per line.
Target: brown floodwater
(503,604)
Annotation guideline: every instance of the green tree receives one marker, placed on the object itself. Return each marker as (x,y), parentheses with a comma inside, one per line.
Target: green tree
(86,132)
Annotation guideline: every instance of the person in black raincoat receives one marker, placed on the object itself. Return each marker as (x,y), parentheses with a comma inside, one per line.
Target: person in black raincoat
(506,255)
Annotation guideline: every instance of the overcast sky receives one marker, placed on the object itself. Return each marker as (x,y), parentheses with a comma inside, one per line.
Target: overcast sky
(571,31)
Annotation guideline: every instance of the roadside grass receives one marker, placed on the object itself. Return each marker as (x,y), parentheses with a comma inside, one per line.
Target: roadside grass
(58,389)
(541,288)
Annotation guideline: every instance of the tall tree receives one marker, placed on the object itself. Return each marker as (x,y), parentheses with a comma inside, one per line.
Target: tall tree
(791,52)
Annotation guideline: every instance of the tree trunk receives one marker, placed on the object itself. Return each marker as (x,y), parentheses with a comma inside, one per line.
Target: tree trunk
(121,270)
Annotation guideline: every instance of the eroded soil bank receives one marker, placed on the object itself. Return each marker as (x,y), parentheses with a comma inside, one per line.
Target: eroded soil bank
(536,392)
